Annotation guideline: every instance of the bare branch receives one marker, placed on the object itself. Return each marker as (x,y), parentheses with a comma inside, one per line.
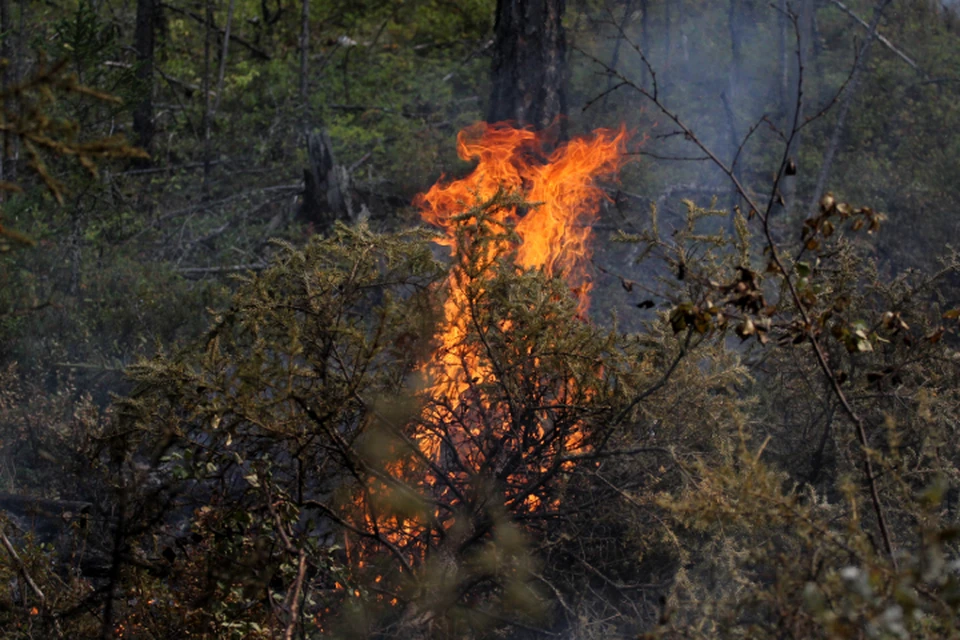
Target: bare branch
(889,45)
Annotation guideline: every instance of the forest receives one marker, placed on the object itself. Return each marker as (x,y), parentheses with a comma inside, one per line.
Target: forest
(479,319)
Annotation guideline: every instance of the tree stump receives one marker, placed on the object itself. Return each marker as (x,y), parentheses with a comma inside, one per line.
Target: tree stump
(328,191)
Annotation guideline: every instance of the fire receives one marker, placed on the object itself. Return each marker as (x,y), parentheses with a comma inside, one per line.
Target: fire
(463,433)
(553,233)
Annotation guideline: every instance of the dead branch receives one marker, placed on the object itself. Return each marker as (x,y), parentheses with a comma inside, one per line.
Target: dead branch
(15,557)
(206,271)
(882,39)
(256,51)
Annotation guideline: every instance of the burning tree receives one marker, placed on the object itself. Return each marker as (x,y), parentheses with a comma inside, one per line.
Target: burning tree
(376,435)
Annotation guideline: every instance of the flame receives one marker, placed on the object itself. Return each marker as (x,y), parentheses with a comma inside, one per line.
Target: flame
(554,233)
(551,232)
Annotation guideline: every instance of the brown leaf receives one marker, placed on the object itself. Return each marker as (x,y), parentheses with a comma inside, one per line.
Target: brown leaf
(827,202)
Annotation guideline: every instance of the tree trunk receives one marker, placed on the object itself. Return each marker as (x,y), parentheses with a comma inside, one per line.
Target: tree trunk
(223,57)
(4,75)
(304,52)
(144,44)
(328,192)
(19,72)
(529,63)
(207,46)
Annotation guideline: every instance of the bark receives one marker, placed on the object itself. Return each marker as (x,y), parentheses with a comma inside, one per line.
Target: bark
(328,194)
(144,41)
(529,63)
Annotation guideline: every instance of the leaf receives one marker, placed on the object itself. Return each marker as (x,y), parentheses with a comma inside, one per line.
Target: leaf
(678,320)
(827,202)
(746,329)
(701,322)
(803,269)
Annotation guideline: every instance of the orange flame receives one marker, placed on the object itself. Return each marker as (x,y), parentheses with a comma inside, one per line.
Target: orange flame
(552,234)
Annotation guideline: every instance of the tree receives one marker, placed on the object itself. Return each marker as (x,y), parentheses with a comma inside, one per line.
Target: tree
(144,44)
(529,63)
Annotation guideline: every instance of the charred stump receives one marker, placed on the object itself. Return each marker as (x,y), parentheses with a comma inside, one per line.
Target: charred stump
(328,194)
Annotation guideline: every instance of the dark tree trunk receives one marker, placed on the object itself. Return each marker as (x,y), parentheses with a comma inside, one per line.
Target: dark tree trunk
(144,44)
(5,81)
(529,63)
(207,49)
(304,58)
(328,193)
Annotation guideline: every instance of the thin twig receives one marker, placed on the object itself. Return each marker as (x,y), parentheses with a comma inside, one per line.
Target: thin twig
(883,40)
(259,53)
